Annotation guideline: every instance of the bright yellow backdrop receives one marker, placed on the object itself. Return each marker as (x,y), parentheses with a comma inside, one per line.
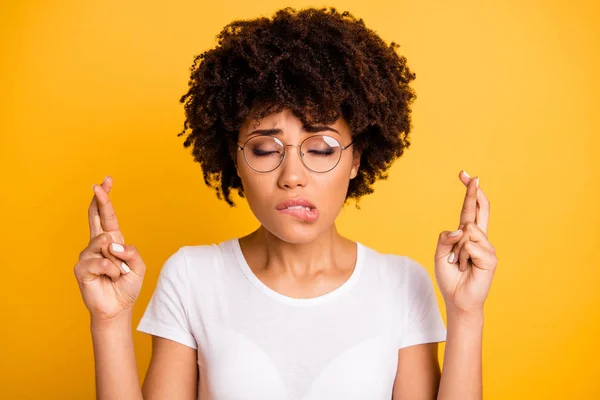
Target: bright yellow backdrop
(508,91)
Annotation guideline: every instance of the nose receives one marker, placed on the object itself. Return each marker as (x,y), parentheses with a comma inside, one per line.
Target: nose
(292,172)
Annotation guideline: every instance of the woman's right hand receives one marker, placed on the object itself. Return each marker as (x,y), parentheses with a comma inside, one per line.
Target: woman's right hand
(107,287)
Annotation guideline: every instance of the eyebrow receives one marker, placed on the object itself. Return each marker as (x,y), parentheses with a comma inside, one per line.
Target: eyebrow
(307,129)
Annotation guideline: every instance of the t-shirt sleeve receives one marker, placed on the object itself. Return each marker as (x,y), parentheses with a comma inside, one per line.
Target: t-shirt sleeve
(424,323)
(167,312)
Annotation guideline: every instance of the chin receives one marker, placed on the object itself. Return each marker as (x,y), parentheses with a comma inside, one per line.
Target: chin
(295,232)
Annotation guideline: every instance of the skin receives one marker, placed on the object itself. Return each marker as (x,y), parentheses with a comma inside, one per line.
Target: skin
(297,259)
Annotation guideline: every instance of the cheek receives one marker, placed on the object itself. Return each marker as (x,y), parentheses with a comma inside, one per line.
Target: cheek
(339,178)
(258,189)
(336,187)
(329,190)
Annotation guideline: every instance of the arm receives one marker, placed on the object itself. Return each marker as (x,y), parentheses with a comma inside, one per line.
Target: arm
(173,370)
(461,374)
(418,374)
(114,357)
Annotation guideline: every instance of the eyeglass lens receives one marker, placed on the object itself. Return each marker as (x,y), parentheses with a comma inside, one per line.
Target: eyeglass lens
(319,153)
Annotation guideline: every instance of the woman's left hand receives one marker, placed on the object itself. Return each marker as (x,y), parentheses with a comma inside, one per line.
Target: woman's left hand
(465,279)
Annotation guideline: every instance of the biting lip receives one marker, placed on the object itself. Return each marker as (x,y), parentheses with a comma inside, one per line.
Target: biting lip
(295,202)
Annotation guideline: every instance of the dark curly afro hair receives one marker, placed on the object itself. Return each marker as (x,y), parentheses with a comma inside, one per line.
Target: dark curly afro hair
(318,63)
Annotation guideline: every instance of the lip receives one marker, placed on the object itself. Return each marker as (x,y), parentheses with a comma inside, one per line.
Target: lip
(301,213)
(295,202)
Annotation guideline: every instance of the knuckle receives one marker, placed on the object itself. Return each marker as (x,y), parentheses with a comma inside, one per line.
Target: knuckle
(133,249)
(81,267)
(470,226)
(78,271)
(104,238)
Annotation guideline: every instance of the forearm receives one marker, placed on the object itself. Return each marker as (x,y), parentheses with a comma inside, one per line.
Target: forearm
(462,370)
(114,357)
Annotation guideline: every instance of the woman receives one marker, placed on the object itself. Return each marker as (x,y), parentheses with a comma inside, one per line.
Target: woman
(299,114)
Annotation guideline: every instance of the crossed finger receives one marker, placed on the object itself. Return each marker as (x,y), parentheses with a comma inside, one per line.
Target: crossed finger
(102,217)
(474,219)
(108,218)
(478,212)
(468,212)
(94,212)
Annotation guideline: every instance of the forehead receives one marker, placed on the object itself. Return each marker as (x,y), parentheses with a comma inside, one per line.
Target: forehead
(286,120)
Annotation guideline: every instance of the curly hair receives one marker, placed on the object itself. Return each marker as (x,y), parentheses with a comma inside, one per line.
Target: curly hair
(318,63)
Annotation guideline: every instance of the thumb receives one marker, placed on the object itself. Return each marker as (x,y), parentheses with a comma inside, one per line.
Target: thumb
(446,242)
(130,255)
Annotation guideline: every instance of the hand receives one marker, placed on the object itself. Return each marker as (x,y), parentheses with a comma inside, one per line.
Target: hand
(465,278)
(107,287)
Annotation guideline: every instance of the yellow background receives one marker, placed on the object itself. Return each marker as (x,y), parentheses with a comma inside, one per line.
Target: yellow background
(508,91)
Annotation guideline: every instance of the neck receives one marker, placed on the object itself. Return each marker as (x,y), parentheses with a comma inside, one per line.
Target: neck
(276,256)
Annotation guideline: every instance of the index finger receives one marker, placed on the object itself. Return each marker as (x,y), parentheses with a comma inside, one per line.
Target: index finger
(483,206)
(108,218)
(94,212)
(469,208)
(483,215)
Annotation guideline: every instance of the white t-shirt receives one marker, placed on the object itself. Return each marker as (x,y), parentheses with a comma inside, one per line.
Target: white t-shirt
(256,344)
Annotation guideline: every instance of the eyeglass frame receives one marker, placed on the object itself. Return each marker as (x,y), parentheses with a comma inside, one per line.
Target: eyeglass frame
(282,158)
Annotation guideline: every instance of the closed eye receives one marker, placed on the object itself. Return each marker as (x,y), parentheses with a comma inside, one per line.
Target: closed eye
(258,152)
(321,152)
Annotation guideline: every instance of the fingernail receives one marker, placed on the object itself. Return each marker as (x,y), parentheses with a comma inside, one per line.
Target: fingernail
(126,269)
(105,179)
(451,258)
(117,247)
(465,172)
(455,233)
(477,182)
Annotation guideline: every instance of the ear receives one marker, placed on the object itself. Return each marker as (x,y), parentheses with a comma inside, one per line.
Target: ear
(355,165)
(237,170)
(233,155)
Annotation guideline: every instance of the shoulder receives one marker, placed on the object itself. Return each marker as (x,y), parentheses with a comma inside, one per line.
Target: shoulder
(198,255)
(190,259)
(398,269)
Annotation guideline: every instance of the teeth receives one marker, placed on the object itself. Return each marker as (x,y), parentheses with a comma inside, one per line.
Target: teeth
(298,208)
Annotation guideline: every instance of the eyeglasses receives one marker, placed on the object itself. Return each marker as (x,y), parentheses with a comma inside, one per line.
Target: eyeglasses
(319,153)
